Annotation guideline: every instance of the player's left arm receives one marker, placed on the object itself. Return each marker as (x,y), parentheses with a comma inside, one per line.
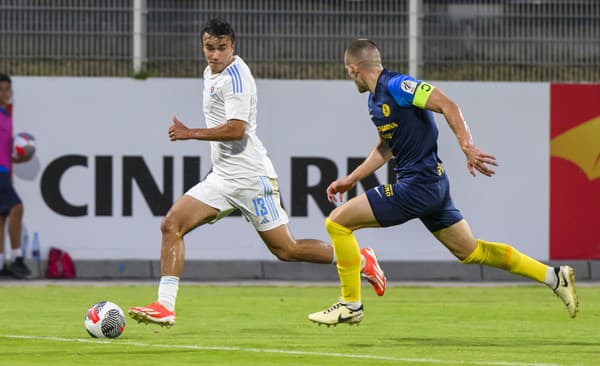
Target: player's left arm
(233,129)
(408,91)
(380,155)
(429,97)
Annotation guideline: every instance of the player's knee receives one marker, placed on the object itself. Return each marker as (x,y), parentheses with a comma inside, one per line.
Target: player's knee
(462,252)
(471,253)
(17,211)
(286,250)
(329,224)
(169,225)
(285,255)
(333,227)
(334,215)
(461,256)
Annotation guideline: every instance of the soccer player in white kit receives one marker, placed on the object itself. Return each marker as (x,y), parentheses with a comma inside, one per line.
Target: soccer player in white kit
(242,178)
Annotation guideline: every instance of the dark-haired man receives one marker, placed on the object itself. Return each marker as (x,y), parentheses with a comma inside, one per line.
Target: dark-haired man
(242,178)
(401,109)
(11,207)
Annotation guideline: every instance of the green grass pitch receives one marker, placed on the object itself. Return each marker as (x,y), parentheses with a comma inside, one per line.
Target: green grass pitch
(251,325)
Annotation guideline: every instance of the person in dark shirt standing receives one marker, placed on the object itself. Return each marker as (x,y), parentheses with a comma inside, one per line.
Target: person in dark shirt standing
(11,207)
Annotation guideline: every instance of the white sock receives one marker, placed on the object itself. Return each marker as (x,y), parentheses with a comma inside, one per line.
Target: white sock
(14,253)
(551,278)
(355,305)
(167,291)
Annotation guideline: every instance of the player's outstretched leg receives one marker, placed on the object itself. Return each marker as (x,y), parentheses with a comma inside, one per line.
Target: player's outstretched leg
(565,288)
(336,314)
(372,272)
(459,239)
(154,313)
(560,279)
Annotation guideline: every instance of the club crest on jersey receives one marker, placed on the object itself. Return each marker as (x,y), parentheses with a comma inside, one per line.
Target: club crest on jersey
(212,90)
(385,109)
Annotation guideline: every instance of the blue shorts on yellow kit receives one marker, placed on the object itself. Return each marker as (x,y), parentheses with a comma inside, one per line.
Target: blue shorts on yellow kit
(425,198)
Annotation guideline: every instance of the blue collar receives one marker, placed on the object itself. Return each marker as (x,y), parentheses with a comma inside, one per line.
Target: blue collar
(4,112)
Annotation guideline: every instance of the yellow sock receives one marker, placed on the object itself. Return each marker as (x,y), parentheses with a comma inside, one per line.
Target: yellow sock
(506,257)
(347,253)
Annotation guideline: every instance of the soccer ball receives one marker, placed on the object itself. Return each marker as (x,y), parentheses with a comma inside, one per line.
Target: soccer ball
(105,320)
(23,146)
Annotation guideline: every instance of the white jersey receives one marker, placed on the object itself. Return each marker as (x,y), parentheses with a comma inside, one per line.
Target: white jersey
(231,94)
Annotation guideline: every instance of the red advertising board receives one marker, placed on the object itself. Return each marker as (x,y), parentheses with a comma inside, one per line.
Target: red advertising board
(574,171)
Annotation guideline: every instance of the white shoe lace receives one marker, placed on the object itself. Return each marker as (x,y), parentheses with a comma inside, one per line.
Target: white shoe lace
(333,307)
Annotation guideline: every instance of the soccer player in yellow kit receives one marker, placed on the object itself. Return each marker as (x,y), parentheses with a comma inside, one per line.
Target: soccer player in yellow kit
(401,108)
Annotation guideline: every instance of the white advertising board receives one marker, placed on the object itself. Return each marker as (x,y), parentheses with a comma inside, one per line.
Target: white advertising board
(105,171)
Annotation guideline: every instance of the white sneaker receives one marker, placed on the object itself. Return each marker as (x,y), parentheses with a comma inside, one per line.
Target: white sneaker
(566,289)
(337,313)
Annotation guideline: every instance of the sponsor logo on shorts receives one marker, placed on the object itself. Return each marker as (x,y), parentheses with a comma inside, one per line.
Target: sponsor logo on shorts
(388,190)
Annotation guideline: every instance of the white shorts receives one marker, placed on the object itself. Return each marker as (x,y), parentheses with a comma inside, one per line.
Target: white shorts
(257,197)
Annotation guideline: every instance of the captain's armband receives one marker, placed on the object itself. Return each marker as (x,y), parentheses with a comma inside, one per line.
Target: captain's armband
(423,92)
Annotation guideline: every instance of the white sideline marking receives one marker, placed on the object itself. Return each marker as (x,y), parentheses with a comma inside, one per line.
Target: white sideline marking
(280,351)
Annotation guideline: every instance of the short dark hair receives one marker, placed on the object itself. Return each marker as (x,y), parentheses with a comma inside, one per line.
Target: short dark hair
(358,45)
(4,77)
(218,27)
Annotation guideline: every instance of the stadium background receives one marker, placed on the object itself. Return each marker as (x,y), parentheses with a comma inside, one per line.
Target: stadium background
(96,83)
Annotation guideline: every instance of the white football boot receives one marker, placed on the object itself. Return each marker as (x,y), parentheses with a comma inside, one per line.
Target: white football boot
(336,314)
(565,289)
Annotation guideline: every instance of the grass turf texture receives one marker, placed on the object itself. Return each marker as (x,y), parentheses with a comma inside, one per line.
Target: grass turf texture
(504,326)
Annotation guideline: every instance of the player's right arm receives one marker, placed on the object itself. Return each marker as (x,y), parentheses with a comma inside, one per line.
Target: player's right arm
(380,155)
(234,129)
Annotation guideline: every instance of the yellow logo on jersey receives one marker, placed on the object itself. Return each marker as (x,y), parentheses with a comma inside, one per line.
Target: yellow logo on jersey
(387,189)
(440,169)
(387,127)
(386,110)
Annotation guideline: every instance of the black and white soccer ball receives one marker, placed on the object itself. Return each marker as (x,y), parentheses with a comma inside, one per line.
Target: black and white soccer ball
(105,320)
